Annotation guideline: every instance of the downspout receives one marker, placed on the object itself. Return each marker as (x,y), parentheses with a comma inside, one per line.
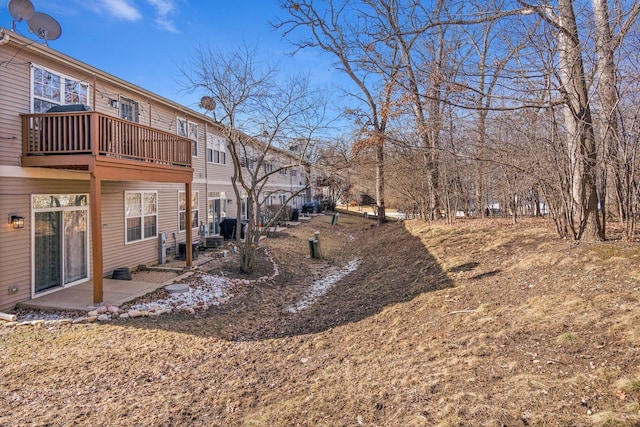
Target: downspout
(206,179)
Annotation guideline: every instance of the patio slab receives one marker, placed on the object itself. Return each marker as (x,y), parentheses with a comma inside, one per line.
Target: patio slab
(80,297)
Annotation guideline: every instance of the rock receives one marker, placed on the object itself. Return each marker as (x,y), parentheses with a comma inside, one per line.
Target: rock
(124,316)
(92,319)
(79,320)
(93,313)
(104,318)
(102,309)
(134,313)
(113,309)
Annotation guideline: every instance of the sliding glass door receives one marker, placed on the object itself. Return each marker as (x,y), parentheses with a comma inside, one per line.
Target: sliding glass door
(60,241)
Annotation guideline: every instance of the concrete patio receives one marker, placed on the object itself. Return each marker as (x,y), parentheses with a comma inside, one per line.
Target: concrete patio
(80,297)
(115,292)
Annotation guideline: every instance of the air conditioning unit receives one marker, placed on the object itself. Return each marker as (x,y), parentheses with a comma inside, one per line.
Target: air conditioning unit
(213,242)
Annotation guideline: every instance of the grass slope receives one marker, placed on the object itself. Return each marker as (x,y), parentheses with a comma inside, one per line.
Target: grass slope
(481,323)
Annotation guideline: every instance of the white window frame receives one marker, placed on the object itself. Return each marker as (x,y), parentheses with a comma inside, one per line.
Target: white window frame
(188,129)
(142,215)
(195,208)
(125,102)
(216,152)
(63,207)
(181,127)
(247,162)
(65,82)
(192,130)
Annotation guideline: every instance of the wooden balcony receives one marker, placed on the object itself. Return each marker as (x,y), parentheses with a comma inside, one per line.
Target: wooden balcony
(104,145)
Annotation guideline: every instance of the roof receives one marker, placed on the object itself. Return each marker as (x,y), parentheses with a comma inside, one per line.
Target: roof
(8,36)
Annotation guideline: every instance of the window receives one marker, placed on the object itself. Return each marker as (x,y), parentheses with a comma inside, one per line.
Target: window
(50,89)
(283,171)
(193,136)
(268,167)
(129,110)
(182,210)
(141,214)
(244,206)
(182,127)
(75,92)
(283,199)
(216,149)
(294,172)
(189,130)
(246,162)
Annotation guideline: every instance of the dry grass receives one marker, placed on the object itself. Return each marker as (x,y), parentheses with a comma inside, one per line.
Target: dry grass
(481,323)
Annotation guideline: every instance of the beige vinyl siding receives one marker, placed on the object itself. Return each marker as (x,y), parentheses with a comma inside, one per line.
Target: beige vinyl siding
(15,193)
(15,250)
(14,95)
(118,253)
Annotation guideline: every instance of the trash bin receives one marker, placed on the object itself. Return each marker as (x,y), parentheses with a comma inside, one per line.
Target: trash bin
(182,250)
(294,215)
(122,273)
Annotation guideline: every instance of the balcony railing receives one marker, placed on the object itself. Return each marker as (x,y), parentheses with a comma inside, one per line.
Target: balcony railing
(89,132)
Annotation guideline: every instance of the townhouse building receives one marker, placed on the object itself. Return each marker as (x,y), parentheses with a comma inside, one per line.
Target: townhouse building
(96,171)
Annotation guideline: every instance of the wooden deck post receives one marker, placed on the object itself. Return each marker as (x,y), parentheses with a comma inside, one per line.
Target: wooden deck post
(189,247)
(95,209)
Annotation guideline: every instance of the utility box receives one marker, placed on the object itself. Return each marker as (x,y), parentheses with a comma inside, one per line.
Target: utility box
(162,245)
(182,250)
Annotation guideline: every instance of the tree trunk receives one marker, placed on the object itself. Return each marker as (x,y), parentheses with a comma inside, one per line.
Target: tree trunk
(581,142)
(613,165)
(380,182)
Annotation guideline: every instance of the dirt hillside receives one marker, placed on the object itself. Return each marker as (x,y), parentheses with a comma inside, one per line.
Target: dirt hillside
(478,324)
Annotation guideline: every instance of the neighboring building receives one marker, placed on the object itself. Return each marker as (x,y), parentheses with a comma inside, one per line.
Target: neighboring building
(89,190)
(286,182)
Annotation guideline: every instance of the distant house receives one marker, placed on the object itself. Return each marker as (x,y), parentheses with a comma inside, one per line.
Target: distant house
(93,170)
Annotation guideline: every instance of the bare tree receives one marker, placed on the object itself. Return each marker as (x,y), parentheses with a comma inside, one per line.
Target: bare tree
(334,164)
(610,117)
(257,112)
(371,64)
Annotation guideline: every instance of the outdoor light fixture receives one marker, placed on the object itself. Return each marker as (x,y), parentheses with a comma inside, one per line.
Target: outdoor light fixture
(17,221)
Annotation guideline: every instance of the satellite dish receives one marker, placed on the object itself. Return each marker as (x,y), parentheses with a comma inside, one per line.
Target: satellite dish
(21,9)
(44,26)
(207,103)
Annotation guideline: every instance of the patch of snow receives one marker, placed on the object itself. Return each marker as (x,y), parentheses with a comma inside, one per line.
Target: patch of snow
(214,290)
(321,286)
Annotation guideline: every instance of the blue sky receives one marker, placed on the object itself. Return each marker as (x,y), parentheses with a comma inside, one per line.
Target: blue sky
(146,42)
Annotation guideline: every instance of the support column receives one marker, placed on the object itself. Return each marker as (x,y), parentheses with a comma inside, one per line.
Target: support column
(95,209)
(189,239)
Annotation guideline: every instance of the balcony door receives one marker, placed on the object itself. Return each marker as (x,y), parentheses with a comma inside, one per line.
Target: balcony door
(60,241)
(214,215)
